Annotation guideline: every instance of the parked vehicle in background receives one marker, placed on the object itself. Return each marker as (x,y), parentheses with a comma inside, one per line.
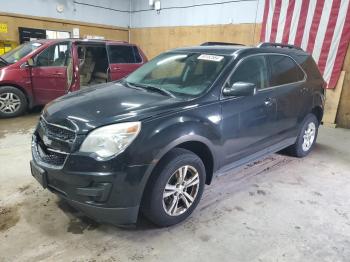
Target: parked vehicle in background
(151,141)
(37,72)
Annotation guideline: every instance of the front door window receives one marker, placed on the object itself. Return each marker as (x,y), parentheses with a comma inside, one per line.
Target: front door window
(251,70)
(56,55)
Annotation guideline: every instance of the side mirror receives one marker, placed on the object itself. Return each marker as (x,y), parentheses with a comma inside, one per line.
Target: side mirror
(30,62)
(240,89)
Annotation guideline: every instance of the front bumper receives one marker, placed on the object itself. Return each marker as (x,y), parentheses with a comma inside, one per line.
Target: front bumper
(108,191)
(110,197)
(115,216)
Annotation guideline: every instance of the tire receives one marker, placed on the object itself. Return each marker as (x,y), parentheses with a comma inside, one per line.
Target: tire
(13,102)
(301,148)
(161,211)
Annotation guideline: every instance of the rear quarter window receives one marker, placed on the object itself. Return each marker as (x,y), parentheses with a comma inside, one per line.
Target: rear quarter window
(123,54)
(309,65)
(284,70)
(138,58)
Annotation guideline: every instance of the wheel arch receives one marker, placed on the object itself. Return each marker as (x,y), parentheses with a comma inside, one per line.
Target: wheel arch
(23,90)
(191,143)
(198,145)
(318,106)
(318,112)
(204,153)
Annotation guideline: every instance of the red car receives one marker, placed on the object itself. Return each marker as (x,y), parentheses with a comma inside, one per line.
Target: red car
(37,72)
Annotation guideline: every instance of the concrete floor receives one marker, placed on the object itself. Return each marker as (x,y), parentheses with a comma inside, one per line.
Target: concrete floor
(277,209)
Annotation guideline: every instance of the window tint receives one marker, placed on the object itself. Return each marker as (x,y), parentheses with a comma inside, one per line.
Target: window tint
(55,55)
(284,70)
(251,70)
(123,54)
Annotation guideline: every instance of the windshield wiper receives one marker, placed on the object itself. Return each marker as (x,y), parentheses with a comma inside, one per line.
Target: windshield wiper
(152,88)
(2,59)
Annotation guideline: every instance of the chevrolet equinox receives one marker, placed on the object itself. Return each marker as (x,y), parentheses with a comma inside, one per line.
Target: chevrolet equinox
(150,142)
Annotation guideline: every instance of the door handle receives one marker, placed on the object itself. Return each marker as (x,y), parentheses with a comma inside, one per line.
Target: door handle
(303,90)
(268,101)
(116,68)
(57,74)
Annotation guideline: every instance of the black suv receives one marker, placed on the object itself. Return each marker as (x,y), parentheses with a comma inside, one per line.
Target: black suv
(149,142)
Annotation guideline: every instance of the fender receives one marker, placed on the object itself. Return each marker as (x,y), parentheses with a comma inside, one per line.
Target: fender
(175,131)
(162,153)
(318,99)
(181,140)
(26,92)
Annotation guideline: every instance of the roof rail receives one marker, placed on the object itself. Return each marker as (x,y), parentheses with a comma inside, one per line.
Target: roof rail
(218,43)
(268,44)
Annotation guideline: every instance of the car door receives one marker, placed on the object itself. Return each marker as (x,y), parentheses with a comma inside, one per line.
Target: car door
(248,122)
(49,75)
(123,60)
(289,83)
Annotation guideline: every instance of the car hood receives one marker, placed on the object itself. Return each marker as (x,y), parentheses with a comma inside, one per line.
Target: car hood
(105,104)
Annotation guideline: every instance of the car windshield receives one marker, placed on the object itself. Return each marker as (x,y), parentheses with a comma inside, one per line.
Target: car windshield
(181,74)
(20,51)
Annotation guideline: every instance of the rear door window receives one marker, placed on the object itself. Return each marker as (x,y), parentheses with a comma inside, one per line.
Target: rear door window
(123,54)
(284,70)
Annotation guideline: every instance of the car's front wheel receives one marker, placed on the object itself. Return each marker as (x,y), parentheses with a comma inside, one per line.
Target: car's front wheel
(306,138)
(12,102)
(175,189)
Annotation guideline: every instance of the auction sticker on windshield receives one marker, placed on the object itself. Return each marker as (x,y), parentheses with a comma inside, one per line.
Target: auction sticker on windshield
(214,58)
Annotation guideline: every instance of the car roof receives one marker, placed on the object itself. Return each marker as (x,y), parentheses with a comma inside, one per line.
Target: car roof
(231,50)
(212,49)
(81,40)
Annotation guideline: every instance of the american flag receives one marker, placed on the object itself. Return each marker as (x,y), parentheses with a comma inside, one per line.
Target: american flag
(320,27)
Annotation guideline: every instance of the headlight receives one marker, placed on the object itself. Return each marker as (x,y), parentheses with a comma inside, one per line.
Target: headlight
(110,140)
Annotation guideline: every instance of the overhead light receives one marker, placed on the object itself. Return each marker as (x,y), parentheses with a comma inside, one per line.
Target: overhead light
(151,2)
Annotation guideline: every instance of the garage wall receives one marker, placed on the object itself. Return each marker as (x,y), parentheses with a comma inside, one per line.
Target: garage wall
(15,21)
(159,39)
(196,12)
(343,114)
(191,22)
(91,11)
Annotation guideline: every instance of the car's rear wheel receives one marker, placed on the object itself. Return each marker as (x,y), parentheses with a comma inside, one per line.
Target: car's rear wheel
(176,188)
(306,138)
(12,102)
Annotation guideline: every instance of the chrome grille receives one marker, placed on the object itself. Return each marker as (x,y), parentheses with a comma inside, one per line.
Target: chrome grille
(56,131)
(47,155)
(51,143)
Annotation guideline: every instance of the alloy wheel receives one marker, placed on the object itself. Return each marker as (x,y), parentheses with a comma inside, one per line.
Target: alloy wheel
(309,136)
(9,103)
(181,190)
